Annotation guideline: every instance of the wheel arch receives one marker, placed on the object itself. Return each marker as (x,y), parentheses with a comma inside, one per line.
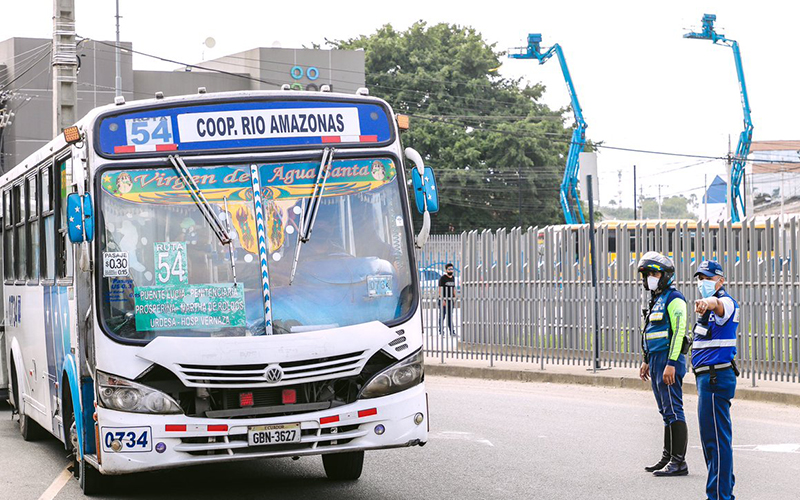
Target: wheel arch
(69,386)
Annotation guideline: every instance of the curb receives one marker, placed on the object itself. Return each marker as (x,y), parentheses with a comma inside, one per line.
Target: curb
(598,380)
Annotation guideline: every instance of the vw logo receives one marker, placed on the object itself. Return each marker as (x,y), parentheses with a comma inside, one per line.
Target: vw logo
(273,374)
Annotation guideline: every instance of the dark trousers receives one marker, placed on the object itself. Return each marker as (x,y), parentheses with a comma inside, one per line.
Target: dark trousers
(446,311)
(716,433)
(669,398)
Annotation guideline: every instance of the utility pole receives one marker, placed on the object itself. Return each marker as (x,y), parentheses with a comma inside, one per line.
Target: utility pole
(65,66)
(659,202)
(118,79)
(705,193)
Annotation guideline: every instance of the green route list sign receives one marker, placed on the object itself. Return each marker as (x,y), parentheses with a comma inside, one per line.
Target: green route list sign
(219,305)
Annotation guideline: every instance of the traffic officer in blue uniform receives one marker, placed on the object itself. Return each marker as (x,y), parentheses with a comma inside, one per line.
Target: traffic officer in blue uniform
(713,350)
(664,346)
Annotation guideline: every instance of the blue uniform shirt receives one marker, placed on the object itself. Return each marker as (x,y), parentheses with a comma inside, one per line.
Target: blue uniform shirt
(718,345)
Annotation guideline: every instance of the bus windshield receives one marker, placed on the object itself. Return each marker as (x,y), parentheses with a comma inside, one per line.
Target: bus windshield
(165,272)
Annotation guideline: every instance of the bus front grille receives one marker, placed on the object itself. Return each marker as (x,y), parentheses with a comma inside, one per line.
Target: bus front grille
(272,374)
(236,444)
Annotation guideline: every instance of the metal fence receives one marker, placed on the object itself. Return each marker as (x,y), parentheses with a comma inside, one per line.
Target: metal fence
(528,295)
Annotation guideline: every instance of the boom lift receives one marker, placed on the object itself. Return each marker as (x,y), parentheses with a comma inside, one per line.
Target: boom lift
(573,213)
(746,137)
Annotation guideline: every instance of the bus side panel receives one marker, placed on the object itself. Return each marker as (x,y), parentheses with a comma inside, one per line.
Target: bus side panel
(26,323)
(4,365)
(57,339)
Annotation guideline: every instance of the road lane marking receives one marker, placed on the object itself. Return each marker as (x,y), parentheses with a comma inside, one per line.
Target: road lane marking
(768,448)
(460,436)
(59,482)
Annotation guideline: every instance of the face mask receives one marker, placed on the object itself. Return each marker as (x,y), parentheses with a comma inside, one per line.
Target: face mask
(652,283)
(707,288)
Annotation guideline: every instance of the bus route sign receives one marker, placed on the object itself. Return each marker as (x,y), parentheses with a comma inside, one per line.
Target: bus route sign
(169,307)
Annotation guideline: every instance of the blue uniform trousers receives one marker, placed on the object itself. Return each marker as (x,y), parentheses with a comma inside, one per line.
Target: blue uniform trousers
(669,398)
(714,413)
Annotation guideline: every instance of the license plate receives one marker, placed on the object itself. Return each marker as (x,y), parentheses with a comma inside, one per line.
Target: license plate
(261,435)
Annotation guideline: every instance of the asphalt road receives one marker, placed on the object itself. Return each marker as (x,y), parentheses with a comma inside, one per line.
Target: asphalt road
(488,439)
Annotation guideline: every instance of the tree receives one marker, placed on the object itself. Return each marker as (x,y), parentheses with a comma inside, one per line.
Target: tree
(493,145)
(674,207)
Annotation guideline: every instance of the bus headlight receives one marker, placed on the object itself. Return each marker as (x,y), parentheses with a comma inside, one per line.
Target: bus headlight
(117,393)
(398,377)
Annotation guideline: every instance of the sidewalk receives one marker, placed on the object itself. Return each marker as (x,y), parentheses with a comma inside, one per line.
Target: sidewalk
(628,378)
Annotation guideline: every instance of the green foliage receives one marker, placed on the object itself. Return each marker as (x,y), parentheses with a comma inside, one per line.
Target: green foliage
(493,146)
(673,207)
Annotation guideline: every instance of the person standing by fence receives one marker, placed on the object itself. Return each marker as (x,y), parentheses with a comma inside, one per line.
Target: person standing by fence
(664,363)
(447,297)
(713,350)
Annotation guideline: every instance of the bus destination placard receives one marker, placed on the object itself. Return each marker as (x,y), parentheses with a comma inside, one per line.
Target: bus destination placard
(243,125)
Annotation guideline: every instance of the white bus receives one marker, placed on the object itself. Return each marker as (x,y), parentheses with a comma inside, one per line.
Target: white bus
(217,277)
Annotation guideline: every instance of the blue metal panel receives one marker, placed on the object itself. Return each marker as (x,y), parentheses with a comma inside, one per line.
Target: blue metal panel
(114,137)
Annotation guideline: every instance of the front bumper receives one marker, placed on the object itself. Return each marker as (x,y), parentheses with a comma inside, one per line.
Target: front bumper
(177,440)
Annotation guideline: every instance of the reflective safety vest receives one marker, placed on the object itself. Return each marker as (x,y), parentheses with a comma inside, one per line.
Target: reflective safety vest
(718,344)
(658,333)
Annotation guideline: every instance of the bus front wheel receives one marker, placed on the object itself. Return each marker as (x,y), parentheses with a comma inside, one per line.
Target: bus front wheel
(89,478)
(344,466)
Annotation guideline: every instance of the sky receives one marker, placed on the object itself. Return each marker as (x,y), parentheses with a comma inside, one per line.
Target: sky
(640,84)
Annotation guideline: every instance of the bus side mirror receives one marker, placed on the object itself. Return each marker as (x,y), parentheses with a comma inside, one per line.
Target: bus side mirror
(425,193)
(80,218)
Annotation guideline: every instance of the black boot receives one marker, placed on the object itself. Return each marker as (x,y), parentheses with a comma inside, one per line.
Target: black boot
(677,463)
(665,455)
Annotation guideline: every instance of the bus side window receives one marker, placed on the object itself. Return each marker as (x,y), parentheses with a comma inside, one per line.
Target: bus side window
(48,225)
(19,204)
(33,229)
(8,237)
(64,251)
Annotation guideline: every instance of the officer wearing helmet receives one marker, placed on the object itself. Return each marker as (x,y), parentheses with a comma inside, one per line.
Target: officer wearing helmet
(664,364)
(713,350)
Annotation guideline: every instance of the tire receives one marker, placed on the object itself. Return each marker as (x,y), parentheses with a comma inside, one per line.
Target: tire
(343,466)
(30,430)
(92,482)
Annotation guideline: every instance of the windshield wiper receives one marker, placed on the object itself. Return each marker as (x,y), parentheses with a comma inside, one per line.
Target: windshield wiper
(222,232)
(310,212)
(200,199)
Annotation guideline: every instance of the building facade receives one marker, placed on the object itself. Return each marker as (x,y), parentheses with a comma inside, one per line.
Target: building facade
(26,82)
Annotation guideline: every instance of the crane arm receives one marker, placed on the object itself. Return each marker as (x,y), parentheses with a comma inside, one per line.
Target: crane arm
(746,137)
(573,213)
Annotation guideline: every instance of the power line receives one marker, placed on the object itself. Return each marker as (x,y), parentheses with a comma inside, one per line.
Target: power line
(47,54)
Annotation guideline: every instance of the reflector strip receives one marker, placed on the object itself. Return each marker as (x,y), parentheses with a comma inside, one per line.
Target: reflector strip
(348,138)
(146,148)
(329,420)
(367,413)
(217,428)
(175,428)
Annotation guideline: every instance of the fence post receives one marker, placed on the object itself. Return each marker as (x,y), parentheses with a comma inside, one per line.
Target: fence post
(596,361)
